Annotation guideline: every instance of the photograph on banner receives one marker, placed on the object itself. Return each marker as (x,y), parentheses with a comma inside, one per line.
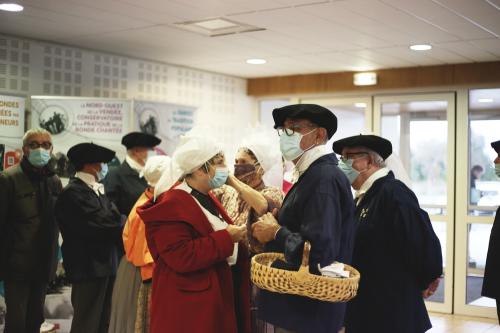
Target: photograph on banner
(74,120)
(12,118)
(165,120)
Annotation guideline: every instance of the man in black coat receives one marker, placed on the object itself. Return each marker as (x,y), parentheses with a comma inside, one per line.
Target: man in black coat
(28,232)
(491,283)
(318,208)
(395,250)
(91,227)
(125,183)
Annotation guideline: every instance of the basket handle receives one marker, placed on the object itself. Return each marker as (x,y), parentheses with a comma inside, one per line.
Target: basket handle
(303,273)
(305,254)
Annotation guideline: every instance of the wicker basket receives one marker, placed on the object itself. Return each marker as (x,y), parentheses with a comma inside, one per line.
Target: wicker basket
(302,282)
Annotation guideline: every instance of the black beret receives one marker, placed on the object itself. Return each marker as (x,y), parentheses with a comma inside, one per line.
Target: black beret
(376,143)
(496,145)
(138,139)
(317,114)
(84,153)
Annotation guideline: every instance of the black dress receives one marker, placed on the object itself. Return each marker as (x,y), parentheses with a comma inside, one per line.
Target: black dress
(398,255)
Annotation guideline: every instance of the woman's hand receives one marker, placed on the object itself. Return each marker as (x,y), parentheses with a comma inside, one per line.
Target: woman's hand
(431,289)
(237,233)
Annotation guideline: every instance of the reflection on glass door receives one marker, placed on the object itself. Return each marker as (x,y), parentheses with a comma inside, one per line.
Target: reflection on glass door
(478,197)
(421,129)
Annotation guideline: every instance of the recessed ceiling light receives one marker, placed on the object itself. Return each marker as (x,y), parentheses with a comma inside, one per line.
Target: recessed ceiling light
(485,100)
(360,105)
(11,7)
(256,61)
(420,47)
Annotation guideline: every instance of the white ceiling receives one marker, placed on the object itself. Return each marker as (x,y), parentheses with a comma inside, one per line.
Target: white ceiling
(302,36)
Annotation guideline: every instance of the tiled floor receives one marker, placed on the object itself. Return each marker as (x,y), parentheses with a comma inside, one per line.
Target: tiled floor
(459,324)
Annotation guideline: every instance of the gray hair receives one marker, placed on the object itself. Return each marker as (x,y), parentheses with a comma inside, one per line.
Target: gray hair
(34,131)
(376,158)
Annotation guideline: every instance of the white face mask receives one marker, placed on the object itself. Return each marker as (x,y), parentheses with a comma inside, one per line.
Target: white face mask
(290,145)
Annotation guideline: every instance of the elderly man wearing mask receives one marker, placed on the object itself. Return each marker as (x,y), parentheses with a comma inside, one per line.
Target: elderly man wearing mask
(395,249)
(193,243)
(132,289)
(248,195)
(318,208)
(28,232)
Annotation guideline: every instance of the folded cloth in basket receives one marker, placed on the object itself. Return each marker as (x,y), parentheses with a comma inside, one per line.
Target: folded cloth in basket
(336,269)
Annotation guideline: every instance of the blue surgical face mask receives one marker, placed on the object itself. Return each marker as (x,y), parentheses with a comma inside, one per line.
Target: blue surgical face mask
(103,172)
(219,178)
(497,169)
(346,167)
(39,157)
(290,145)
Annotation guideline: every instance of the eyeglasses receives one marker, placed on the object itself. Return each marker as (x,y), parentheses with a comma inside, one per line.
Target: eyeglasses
(35,145)
(289,130)
(352,156)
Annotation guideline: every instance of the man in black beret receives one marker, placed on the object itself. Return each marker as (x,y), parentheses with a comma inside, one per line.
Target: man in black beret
(318,208)
(91,229)
(395,249)
(491,282)
(125,184)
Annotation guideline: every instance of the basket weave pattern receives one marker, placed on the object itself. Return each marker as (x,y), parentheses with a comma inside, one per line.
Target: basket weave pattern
(302,282)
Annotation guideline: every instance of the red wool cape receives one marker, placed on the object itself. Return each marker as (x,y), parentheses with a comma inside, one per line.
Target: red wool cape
(192,283)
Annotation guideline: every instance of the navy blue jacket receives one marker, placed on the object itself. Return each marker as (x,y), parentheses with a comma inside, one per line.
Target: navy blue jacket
(91,227)
(398,255)
(318,208)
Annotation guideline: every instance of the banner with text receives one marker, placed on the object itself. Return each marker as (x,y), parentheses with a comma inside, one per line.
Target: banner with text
(75,120)
(12,113)
(165,120)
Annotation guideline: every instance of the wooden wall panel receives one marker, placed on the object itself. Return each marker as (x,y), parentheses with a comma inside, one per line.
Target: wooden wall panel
(397,78)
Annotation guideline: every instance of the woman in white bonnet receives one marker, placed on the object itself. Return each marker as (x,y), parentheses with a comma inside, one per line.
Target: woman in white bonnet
(132,290)
(254,190)
(193,244)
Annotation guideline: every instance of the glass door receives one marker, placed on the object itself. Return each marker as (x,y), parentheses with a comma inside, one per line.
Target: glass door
(478,196)
(422,131)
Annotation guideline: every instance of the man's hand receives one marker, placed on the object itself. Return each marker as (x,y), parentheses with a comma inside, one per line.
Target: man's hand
(431,289)
(265,228)
(237,233)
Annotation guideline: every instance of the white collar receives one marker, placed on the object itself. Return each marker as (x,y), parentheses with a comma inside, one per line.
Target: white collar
(369,182)
(308,158)
(134,165)
(89,179)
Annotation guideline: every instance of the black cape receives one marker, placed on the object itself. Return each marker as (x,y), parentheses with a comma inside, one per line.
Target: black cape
(91,227)
(491,282)
(318,208)
(398,255)
(124,186)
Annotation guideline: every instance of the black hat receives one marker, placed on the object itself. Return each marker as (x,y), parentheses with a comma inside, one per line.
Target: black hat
(496,145)
(138,139)
(376,143)
(84,153)
(317,114)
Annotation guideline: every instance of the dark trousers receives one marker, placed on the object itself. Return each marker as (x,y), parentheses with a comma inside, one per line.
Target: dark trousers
(91,300)
(24,301)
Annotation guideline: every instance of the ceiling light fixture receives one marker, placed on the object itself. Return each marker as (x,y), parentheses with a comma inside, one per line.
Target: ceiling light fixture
(360,105)
(256,61)
(485,100)
(365,79)
(420,47)
(11,7)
